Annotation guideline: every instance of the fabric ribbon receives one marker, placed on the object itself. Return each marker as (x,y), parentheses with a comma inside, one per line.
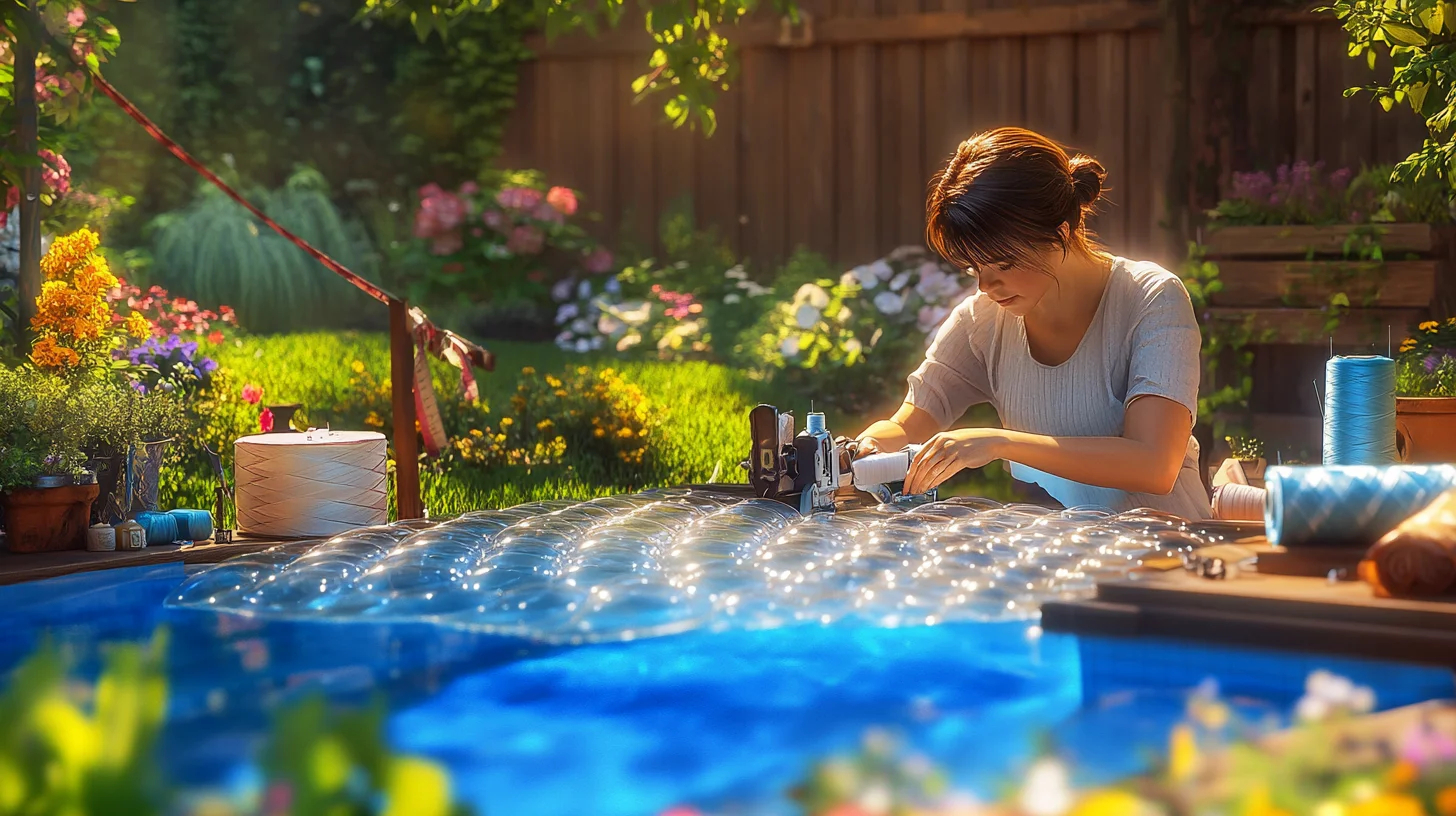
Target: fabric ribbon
(445,345)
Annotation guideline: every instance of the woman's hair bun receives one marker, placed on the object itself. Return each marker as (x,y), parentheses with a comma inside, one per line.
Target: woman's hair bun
(1087,177)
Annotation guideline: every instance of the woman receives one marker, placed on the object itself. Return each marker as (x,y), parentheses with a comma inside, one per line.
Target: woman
(1090,359)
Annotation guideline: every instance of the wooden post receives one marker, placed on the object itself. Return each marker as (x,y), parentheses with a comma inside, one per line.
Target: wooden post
(1177,68)
(402,387)
(30,180)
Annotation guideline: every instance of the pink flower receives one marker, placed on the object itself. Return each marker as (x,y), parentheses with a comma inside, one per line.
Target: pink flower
(215,337)
(548,213)
(477,232)
(469,188)
(77,17)
(598,261)
(562,199)
(252,394)
(265,421)
(447,244)
(495,219)
(518,198)
(439,213)
(525,241)
(55,172)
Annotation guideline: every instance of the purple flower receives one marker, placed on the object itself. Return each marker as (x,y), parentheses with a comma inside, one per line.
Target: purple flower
(138,387)
(1431,361)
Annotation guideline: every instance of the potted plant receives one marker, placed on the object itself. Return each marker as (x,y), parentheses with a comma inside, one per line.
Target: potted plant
(1249,453)
(1425,388)
(40,458)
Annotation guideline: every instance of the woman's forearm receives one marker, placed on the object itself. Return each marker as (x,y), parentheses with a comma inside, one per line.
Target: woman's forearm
(1101,461)
(890,434)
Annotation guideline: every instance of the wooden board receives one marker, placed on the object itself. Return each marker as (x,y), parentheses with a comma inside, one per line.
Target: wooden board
(1283,612)
(16,568)
(811,146)
(1357,327)
(902,188)
(635,173)
(1277,241)
(856,113)
(1310,284)
(765,233)
(718,200)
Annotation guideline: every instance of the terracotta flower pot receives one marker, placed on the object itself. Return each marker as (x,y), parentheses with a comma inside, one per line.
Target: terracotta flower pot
(48,519)
(1425,429)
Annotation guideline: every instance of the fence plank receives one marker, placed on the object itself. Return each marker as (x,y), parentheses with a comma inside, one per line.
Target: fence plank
(599,182)
(856,112)
(1101,125)
(811,146)
(1051,63)
(518,141)
(1357,113)
(1306,104)
(675,170)
(718,200)
(765,234)
(901,201)
(1333,110)
(1268,134)
(635,165)
(947,98)
(999,96)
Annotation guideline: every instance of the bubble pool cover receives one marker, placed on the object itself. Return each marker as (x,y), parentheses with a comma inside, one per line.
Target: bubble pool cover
(666,561)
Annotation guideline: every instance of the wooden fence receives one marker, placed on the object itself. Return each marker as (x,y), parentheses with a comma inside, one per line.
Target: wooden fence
(828,140)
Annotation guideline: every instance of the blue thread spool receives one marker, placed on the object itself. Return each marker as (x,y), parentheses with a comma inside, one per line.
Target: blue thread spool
(192,525)
(1346,506)
(1359,417)
(161,528)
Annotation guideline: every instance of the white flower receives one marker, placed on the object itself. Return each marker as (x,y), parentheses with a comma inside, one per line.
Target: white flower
(905,252)
(875,338)
(806,316)
(899,282)
(881,270)
(931,316)
(789,346)
(932,282)
(629,341)
(613,286)
(562,289)
(865,276)
(583,290)
(889,303)
(583,345)
(1311,709)
(633,313)
(848,279)
(566,312)
(844,314)
(736,273)
(754,289)
(1047,791)
(813,294)
(596,342)
(732,297)
(580,325)
(853,346)
(609,325)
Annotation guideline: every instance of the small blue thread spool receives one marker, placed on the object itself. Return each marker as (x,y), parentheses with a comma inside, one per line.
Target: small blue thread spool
(161,528)
(1359,416)
(192,525)
(1346,506)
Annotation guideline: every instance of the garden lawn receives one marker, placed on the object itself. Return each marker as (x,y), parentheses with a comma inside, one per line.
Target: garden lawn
(341,379)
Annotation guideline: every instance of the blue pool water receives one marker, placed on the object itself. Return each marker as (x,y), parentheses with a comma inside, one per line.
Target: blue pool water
(715,720)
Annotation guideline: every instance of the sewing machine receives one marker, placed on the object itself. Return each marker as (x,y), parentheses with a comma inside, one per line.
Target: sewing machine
(808,469)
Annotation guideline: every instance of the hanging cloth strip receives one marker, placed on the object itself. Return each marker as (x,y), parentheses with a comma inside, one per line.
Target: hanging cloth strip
(445,345)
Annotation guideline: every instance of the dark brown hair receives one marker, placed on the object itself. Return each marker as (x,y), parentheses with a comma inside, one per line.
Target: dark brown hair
(1005,195)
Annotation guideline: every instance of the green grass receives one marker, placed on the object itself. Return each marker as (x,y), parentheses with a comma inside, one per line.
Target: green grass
(705,431)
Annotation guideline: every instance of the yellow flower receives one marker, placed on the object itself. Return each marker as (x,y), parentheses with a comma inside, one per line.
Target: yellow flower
(1401,774)
(560,392)
(625,433)
(48,354)
(544,424)
(507,422)
(1451,321)
(1259,804)
(1446,801)
(476,432)
(528,371)
(1182,753)
(358,367)
(552,381)
(95,278)
(599,433)
(68,251)
(374,419)
(1388,804)
(1408,344)
(1429,326)
(138,326)
(1109,803)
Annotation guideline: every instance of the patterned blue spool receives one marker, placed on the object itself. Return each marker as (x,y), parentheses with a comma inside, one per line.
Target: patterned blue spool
(192,525)
(161,528)
(1359,415)
(1346,505)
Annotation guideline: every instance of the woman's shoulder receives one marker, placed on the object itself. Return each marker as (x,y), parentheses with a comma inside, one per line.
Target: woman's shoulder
(1151,285)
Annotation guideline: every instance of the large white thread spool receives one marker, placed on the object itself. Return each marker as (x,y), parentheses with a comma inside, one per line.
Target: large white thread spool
(883,468)
(314,484)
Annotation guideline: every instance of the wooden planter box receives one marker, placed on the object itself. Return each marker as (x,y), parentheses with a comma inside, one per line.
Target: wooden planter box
(1279,280)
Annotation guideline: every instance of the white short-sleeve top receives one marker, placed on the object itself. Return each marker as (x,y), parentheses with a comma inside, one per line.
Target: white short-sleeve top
(1143,340)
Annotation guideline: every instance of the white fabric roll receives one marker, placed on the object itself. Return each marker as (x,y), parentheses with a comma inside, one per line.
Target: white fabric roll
(314,484)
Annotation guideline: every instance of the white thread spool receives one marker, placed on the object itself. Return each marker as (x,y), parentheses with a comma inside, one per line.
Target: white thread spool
(883,468)
(310,485)
(1238,502)
(101,538)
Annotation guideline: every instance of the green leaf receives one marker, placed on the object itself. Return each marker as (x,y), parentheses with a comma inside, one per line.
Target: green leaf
(1406,34)
(1417,94)
(1387,103)
(1340,299)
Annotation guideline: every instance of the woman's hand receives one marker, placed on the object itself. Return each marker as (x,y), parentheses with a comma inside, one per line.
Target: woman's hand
(852,449)
(948,453)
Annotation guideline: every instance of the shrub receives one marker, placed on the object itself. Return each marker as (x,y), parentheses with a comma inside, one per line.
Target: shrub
(219,253)
(1303,193)
(1426,363)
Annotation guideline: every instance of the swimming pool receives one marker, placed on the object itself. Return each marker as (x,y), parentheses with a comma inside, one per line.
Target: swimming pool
(711,719)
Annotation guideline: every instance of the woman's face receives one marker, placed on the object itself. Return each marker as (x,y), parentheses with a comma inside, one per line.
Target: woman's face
(1019,287)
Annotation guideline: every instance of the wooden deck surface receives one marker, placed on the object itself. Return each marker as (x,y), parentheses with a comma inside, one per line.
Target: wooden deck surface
(19,567)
